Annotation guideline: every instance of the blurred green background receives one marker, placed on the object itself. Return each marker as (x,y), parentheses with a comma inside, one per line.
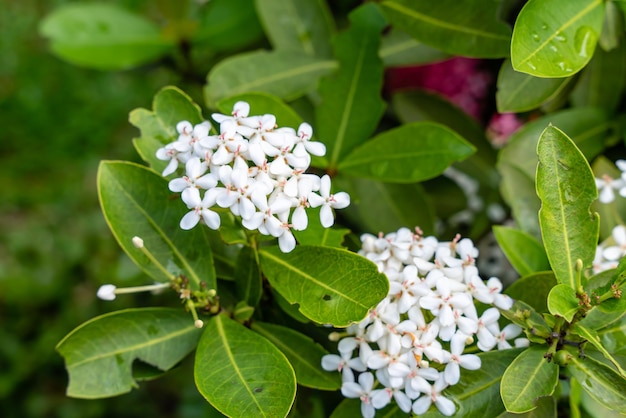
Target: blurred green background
(57,122)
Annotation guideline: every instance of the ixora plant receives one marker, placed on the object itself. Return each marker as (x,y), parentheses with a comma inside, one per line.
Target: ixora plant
(262,221)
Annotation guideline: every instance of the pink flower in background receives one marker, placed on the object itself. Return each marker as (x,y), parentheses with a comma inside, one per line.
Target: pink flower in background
(501,127)
(464,81)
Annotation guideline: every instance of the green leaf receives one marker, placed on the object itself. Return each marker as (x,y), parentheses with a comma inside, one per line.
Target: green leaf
(520,92)
(220,22)
(593,337)
(566,187)
(533,289)
(556,38)
(103,36)
(408,154)
(477,393)
(137,202)
(99,354)
(248,277)
(467,28)
(286,74)
(332,286)
(613,337)
(546,408)
(377,206)
(600,382)
(158,126)
(351,104)
(528,377)
(398,48)
(304,354)
(562,301)
(602,82)
(535,325)
(525,253)
(241,373)
(306,26)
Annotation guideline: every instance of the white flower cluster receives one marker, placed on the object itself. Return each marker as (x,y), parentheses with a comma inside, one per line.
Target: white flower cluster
(607,185)
(610,252)
(427,319)
(253,168)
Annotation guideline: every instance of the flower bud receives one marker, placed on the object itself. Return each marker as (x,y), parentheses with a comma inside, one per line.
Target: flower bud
(137,242)
(106,292)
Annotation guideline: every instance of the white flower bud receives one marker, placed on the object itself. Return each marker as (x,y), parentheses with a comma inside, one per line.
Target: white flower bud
(198,323)
(106,292)
(137,242)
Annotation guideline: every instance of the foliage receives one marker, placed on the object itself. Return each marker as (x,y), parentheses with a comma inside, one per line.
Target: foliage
(401,156)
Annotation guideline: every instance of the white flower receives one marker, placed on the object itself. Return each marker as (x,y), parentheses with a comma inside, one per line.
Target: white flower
(199,209)
(343,364)
(607,186)
(444,405)
(361,390)
(328,201)
(452,372)
(195,177)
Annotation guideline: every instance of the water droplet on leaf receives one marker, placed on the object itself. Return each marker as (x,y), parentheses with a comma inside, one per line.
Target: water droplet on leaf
(585,41)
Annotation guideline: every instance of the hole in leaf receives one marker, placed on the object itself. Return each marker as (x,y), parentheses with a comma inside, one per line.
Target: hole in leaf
(143,371)
(326,297)
(258,390)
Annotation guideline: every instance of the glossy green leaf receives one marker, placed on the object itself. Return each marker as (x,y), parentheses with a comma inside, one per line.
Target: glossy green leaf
(219,24)
(286,74)
(408,154)
(224,256)
(600,382)
(248,277)
(562,301)
(158,126)
(523,251)
(467,28)
(533,289)
(594,339)
(288,308)
(103,36)
(304,354)
(613,337)
(377,206)
(556,38)
(478,392)
(520,92)
(566,187)
(546,408)
(351,105)
(417,106)
(99,354)
(602,82)
(306,26)
(332,286)
(242,374)
(528,377)
(136,202)
(398,48)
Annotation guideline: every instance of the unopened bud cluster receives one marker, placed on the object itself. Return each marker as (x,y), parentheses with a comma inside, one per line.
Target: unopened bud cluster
(413,342)
(255,169)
